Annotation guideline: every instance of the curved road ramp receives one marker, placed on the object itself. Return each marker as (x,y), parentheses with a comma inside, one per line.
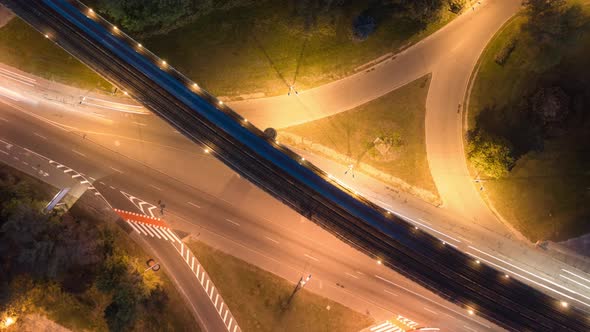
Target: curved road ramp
(438,266)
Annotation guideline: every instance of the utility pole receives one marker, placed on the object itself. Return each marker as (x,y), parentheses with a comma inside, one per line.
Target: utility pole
(302,282)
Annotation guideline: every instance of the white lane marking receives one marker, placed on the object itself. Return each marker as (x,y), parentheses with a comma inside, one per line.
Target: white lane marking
(423,225)
(523,270)
(133,226)
(6,153)
(207,286)
(225,317)
(193,204)
(60,166)
(202,277)
(3,119)
(216,300)
(351,275)
(231,320)
(533,281)
(104,184)
(193,264)
(198,269)
(145,229)
(464,239)
(68,170)
(84,182)
(311,257)
(233,222)
(150,209)
(429,300)
(151,185)
(273,240)
(112,187)
(469,328)
(23,77)
(574,281)
(173,235)
(140,123)
(78,152)
(391,293)
(76,176)
(157,228)
(424,221)
(153,229)
(235,328)
(39,135)
(116,170)
(18,80)
(430,310)
(379,326)
(575,275)
(141,229)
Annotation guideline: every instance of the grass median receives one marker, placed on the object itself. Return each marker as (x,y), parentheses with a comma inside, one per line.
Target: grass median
(546,194)
(258,298)
(395,121)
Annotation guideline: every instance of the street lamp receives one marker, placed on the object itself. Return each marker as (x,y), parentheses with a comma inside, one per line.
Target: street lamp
(302,282)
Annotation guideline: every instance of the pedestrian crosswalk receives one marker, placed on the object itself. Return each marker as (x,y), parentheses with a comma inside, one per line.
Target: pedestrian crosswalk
(400,324)
(159,232)
(386,326)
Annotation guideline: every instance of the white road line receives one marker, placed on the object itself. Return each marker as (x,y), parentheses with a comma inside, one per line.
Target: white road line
(311,257)
(273,240)
(112,187)
(574,281)
(151,185)
(116,170)
(424,221)
(39,135)
(187,255)
(198,269)
(145,229)
(351,275)
(153,229)
(141,229)
(202,277)
(469,328)
(133,226)
(220,307)
(535,282)
(216,300)
(26,163)
(157,228)
(60,166)
(225,317)
(102,183)
(430,310)
(575,275)
(379,326)
(235,327)
(193,204)
(233,222)
(423,225)
(530,273)
(3,119)
(78,152)
(231,320)
(431,301)
(68,170)
(6,153)
(76,176)
(140,123)
(391,293)
(173,235)
(193,264)
(84,182)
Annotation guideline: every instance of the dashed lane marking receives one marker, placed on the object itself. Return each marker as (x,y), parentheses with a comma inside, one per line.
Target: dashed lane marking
(272,240)
(116,170)
(351,275)
(233,222)
(193,204)
(6,153)
(78,152)
(39,135)
(430,310)
(158,188)
(311,257)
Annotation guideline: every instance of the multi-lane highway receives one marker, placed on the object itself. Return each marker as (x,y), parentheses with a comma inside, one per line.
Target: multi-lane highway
(420,256)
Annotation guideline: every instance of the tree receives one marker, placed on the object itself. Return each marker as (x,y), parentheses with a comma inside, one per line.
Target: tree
(551,105)
(491,155)
(139,15)
(546,19)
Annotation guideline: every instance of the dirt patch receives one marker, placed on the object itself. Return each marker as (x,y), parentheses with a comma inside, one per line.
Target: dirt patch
(5,16)
(37,323)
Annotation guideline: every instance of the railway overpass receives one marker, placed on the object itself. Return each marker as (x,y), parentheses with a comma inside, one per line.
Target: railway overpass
(378,233)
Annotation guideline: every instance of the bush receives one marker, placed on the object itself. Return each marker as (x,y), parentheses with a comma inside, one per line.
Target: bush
(362,27)
(503,55)
(455,6)
(491,155)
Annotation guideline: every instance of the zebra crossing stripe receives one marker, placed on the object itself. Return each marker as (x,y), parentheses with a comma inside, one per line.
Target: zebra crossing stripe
(171,232)
(157,229)
(145,228)
(133,226)
(379,326)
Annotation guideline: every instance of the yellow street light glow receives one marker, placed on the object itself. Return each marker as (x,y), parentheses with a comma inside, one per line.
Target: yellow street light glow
(164,62)
(245,120)
(126,93)
(220,102)
(195,85)
(46,36)
(9,321)
(477,261)
(115,27)
(139,45)
(302,159)
(471,312)
(415,227)
(379,262)
(506,276)
(90,10)
(206,150)
(564,304)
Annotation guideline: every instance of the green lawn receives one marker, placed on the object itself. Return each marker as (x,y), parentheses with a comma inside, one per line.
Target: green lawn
(258,298)
(547,194)
(260,48)
(26,49)
(399,113)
